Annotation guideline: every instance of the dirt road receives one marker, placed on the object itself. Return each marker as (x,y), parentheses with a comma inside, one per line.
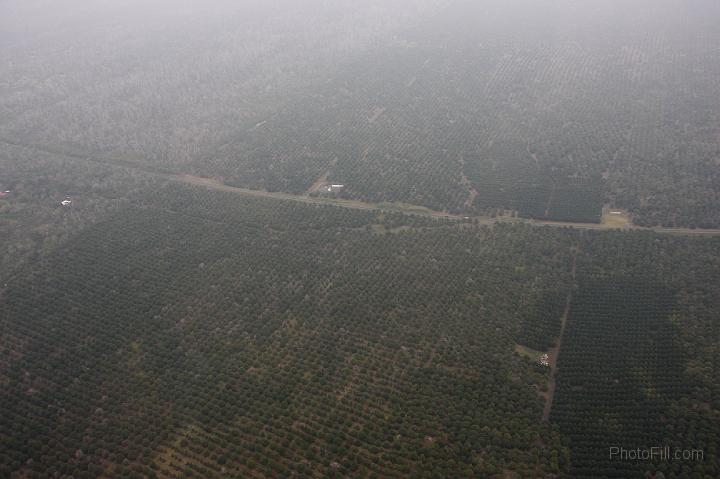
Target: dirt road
(555,351)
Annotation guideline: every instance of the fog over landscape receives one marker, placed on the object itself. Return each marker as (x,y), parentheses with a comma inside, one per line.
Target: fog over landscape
(377,238)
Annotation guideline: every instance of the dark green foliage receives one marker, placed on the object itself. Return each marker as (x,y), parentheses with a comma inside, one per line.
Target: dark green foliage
(540,324)
(205,332)
(626,366)
(159,330)
(524,187)
(620,370)
(202,334)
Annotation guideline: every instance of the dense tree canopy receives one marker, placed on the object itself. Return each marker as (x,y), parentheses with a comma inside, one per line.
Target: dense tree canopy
(182,295)
(194,333)
(550,109)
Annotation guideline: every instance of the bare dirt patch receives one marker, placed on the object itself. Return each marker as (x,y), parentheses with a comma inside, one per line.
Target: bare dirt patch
(319,183)
(615,218)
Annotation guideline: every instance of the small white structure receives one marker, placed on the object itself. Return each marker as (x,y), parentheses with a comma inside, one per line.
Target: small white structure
(66,203)
(334,188)
(545,359)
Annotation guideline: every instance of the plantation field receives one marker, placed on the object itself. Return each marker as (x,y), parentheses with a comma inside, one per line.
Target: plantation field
(625,376)
(548,110)
(200,332)
(516,270)
(194,333)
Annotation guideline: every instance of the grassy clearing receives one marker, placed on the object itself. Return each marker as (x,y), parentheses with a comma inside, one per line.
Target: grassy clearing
(615,218)
(531,354)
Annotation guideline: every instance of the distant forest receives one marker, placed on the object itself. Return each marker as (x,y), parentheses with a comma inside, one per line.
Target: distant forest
(548,109)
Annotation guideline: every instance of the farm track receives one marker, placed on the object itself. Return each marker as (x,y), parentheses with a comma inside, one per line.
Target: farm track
(212,184)
(467,184)
(555,351)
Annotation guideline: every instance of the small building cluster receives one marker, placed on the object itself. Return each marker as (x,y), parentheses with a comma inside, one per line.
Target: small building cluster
(335,188)
(545,359)
(66,202)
